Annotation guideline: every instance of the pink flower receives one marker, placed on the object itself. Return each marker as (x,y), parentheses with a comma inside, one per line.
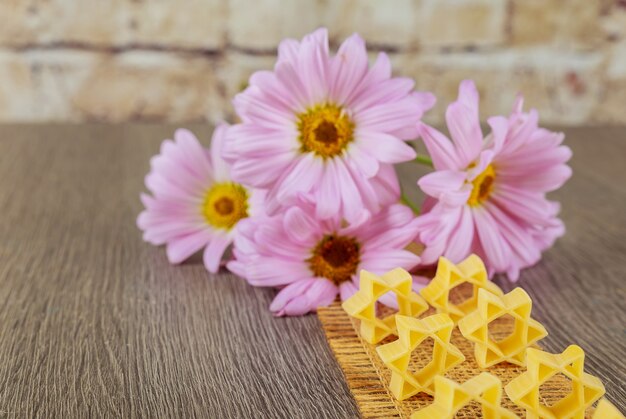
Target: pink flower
(194,203)
(314,259)
(326,126)
(488,194)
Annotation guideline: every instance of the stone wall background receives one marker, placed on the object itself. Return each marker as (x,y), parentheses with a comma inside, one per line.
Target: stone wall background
(159,60)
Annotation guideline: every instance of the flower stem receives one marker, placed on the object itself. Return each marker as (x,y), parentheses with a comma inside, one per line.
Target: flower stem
(424,159)
(408,203)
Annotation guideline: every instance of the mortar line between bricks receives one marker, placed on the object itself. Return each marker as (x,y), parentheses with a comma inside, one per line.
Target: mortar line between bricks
(217,52)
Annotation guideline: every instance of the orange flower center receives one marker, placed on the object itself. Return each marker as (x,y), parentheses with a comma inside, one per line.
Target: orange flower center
(335,258)
(325,130)
(482,186)
(225,204)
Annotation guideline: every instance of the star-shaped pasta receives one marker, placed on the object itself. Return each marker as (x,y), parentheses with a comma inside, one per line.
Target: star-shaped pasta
(540,367)
(526,331)
(397,355)
(471,270)
(606,410)
(362,305)
(450,397)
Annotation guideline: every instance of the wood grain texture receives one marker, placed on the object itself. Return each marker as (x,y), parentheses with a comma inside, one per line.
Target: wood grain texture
(93,322)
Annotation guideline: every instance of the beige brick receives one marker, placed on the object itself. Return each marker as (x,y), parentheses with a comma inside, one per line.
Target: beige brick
(67,85)
(441,74)
(38,86)
(616,68)
(15,84)
(388,23)
(575,82)
(199,24)
(120,60)
(572,23)
(563,87)
(611,105)
(613,19)
(462,22)
(262,24)
(400,24)
(150,86)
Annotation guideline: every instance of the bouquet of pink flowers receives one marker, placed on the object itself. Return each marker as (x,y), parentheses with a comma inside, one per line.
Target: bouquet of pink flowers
(305,189)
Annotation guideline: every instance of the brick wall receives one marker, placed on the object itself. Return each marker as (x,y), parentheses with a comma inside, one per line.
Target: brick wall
(119,60)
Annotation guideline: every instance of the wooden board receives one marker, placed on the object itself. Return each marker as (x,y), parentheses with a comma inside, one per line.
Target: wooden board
(96,323)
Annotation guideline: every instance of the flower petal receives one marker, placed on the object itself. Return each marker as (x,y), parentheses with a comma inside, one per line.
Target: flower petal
(221,170)
(380,261)
(214,251)
(329,194)
(532,207)
(289,293)
(438,183)
(460,244)
(351,201)
(362,160)
(495,248)
(288,50)
(273,271)
(303,175)
(275,91)
(347,289)
(299,226)
(463,123)
(499,129)
(260,172)
(399,116)
(313,65)
(384,147)
(347,68)
(386,185)
(304,296)
(441,151)
(251,140)
(379,92)
(181,248)
(194,153)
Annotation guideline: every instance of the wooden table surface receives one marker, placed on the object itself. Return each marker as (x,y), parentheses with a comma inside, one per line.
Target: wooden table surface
(94,322)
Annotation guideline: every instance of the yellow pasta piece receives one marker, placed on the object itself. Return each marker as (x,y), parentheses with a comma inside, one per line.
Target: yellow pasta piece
(362,305)
(606,410)
(450,397)
(526,331)
(540,367)
(448,276)
(396,355)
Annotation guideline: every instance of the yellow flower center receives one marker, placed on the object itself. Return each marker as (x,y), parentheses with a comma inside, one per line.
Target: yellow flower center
(325,130)
(225,204)
(482,186)
(335,258)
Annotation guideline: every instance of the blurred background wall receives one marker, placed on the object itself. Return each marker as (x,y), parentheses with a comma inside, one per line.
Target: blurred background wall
(158,60)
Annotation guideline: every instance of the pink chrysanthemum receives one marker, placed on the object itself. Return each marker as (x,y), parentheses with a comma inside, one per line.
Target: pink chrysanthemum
(324,126)
(314,259)
(490,193)
(194,203)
